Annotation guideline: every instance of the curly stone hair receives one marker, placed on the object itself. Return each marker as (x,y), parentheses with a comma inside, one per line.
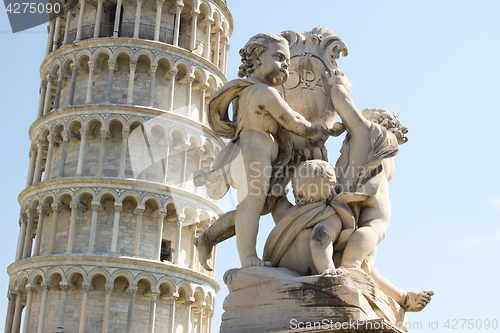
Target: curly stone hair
(314,181)
(252,50)
(390,120)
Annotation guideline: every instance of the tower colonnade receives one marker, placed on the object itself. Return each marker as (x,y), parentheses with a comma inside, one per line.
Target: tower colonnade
(110,213)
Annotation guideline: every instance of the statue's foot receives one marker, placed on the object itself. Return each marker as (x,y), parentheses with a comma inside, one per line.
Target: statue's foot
(331,272)
(358,273)
(417,300)
(255,261)
(204,253)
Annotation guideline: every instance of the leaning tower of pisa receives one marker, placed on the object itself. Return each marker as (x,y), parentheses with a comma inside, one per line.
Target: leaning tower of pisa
(110,212)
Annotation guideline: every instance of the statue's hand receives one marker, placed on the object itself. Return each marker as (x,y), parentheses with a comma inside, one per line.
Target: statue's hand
(337,129)
(337,79)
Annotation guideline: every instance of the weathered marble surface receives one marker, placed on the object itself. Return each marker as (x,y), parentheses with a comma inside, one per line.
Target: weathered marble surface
(272,299)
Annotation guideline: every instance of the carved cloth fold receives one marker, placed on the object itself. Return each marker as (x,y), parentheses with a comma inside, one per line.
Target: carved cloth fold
(219,180)
(307,216)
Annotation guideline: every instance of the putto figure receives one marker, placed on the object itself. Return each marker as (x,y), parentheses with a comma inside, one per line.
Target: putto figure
(260,146)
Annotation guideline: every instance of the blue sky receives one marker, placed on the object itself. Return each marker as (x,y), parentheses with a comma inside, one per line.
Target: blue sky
(436,63)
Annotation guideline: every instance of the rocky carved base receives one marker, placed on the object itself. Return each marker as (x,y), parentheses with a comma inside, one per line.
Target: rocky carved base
(274,299)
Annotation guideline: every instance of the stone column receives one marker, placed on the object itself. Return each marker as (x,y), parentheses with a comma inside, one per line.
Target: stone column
(90,82)
(41,100)
(111,66)
(203,88)
(171,75)
(23,222)
(63,153)
(167,153)
(137,19)
(28,233)
(152,312)
(116,227)
(206,310)
(50,38)
(56,208)
(188,326)
(130,313)
(194,228)
(16,323)
(27,310)
(153,69)
(137,242)
(184,163)
(72,227)
(123,156)
(43,308)
(81,155)
(80,21)
(102,153)
(39,229)
(130,91)
(83,312)
(32,166)
(159,234)
(210,317)
(224,53)
(73,84)
(105,317)
(62,307)
(98,15)
(206,51)
(69,15)
(200,317)
(10,312)
(171,316)
(60,76)
(39,159)
(194,24)
(188,81)
(48,164)
(116,26)
(46,107)
(217,47)
(178,238)
(177,24)
(159,6)
(96,205)
(55,42)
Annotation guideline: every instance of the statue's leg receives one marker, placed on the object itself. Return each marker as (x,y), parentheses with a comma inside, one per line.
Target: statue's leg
(222,229)
(258,151)
(321,243)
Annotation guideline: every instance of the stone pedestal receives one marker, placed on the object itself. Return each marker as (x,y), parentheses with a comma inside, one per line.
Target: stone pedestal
(275,299)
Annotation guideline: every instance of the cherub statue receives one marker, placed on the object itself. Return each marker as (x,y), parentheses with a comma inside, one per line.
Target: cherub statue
(366,164)
(260,145)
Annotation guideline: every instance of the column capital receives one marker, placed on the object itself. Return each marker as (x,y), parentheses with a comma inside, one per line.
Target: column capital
(41,208)
(188,79)
(86,286)
(132,290)
(109,288)
(105,133)
(41,143)
(65,135)
(172,72)
(74,205)
(81,2)
(64,287)
(125,130)
(118,207)
(96,205)
(29,288)
(111,64)
(139,210)
(73,67)
(133,65)
(44,287)
(180,219)
(50,77)
(153,68)
(56,207)
(195,13)
(83,132)
(60,75)
(91,64)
